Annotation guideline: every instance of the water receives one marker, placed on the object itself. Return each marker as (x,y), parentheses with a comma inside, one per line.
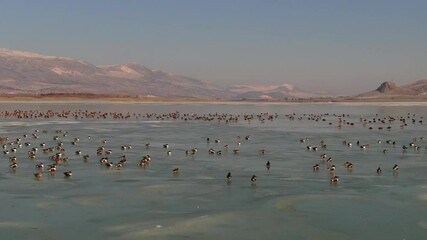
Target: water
(289,200)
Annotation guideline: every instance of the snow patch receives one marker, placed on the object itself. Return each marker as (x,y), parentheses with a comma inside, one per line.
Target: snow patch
(128,70)
(23,54)
(61,71)
(288,86)
(260,88)
(265,97)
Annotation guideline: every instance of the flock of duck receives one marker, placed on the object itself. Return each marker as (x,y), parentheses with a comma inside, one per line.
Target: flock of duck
(57,149)
(348,165)
(58,154)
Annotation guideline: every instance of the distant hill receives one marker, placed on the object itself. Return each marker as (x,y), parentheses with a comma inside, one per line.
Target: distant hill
(27,73)
(283,91)
(417,90)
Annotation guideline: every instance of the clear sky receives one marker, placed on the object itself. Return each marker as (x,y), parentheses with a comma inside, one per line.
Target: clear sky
(339,46)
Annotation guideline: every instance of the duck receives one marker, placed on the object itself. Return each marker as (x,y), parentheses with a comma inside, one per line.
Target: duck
(39,165)
(334,179)
(143,163)
(123,159)
(68,174)
(229,177)
(100,149)
(148,157)
(175,170)
(348,165)
(253,179)
(126,147)
(52,168)
(316,167)
(38,175)
(379,170)
(13,165)
(267,165)
(103,160)
(329,161)
(396,167)
(364,146)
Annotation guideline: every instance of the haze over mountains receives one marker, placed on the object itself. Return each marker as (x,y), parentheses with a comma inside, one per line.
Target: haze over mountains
(27,73)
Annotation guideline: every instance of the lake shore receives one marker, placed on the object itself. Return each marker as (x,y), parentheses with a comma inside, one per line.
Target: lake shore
(107,98)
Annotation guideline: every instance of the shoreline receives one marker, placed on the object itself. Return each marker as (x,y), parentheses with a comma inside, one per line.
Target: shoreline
(97,98)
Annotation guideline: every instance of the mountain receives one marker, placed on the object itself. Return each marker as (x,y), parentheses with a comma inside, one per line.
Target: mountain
(27,73)
(269,92)
(416,90)
(420,87)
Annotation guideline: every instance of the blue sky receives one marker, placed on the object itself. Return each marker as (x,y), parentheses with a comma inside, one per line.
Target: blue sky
(339,46)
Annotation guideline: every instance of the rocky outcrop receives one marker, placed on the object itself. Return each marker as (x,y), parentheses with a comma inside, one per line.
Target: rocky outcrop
(386,87)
